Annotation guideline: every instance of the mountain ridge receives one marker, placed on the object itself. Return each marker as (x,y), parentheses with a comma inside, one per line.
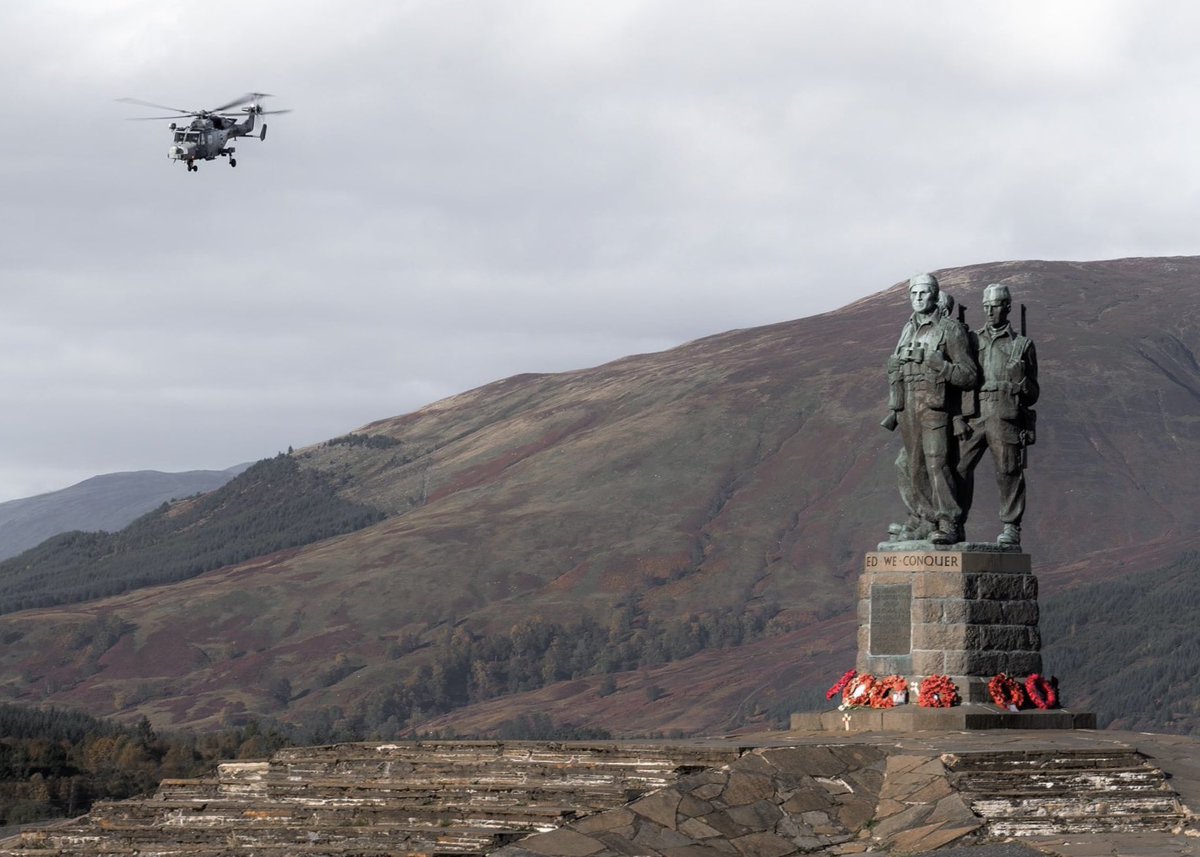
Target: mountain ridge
(106,502)
(741,472)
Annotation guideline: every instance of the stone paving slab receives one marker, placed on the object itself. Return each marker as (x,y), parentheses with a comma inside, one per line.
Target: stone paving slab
(1117,845)
(1177,755)
(1002,849)
(898,780)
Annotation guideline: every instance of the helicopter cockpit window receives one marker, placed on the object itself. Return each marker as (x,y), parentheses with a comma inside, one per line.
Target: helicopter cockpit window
(178,136)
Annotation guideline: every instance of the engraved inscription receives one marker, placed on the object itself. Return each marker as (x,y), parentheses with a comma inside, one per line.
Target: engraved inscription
(891,619)
(929,561)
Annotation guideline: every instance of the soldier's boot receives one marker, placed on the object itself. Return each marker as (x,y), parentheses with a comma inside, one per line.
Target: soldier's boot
(914,529)
(945,534)
(1010,536)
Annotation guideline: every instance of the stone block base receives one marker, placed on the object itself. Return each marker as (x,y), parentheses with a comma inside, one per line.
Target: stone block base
(948,612)
(913,718)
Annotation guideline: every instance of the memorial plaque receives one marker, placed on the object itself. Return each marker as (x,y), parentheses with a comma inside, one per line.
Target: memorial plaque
(891,619)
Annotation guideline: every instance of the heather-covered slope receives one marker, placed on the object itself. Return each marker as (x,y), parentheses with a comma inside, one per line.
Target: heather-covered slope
(741,472)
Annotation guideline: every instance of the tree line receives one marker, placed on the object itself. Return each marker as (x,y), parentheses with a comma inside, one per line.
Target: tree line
(1127,648)
(55,762)
(464,666)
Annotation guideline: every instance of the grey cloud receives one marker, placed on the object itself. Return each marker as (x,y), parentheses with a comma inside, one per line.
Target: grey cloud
(473,189)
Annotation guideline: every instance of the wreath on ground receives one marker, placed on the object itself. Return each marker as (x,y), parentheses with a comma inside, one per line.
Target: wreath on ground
(857,693)
(841,683)
(866,691)
(938,691)
(1042,692)
(884,692)
(1007,693)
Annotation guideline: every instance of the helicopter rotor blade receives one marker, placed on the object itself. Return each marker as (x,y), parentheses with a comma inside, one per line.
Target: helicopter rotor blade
(255,112)
(141,103)
(245,99)
(153,118)
(248,110)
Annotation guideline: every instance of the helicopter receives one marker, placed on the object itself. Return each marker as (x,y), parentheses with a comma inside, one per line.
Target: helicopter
(206,136)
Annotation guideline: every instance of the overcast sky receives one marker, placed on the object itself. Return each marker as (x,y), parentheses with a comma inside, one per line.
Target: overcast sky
(468,190)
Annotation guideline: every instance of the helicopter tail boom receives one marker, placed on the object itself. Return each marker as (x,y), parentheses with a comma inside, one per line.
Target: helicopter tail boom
(244,128)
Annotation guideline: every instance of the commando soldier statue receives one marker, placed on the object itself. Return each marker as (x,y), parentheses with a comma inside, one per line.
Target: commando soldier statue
(1004,421)
(930,368)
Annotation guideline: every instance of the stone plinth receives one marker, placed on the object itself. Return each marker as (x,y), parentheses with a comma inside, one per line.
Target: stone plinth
(969,614)
(913,718)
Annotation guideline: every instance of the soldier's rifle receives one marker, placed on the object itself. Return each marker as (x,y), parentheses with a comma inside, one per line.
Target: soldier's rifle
(1028,417)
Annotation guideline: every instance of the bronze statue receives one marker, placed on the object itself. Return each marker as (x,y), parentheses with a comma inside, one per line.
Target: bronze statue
(1003,420)
(928,371)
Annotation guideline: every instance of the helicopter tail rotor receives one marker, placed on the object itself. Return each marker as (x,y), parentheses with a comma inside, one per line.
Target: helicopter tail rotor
(256,108)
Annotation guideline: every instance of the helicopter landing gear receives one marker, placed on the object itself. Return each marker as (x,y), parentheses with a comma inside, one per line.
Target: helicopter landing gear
(233,162)
(192,167)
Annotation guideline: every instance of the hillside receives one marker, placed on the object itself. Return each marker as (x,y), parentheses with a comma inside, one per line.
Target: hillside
(107,502)
(738,475)
(1146,628)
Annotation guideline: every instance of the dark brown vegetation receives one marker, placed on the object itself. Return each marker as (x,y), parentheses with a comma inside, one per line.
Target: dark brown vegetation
(739,475)
(56,763)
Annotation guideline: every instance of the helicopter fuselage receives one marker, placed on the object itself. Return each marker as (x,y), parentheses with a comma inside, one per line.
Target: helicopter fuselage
(206,137)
